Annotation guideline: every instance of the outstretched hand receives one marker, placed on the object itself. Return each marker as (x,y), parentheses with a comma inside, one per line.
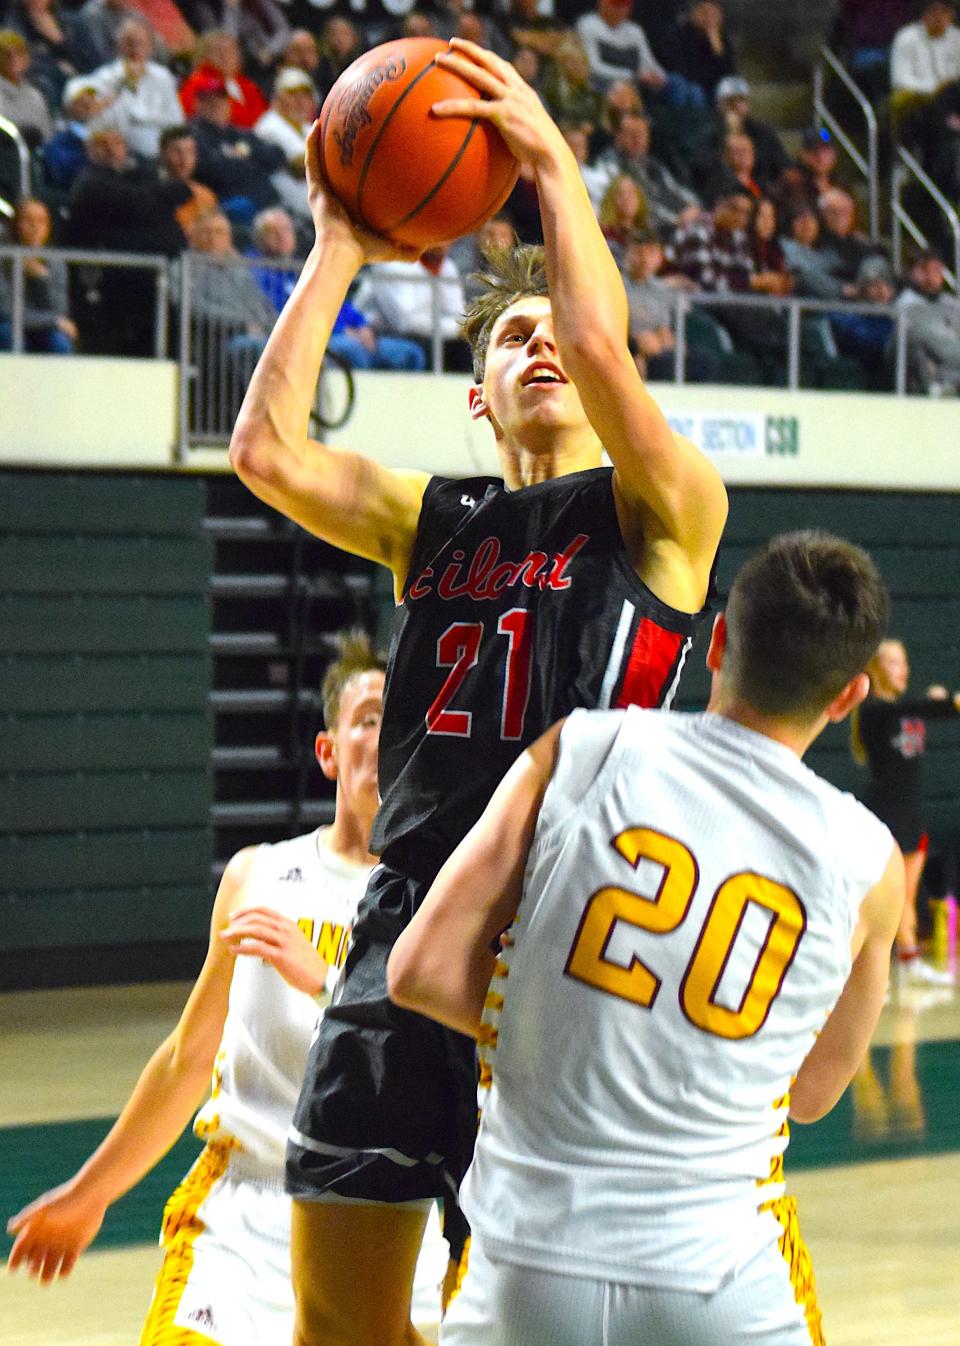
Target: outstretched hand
(510,104)
(331,220)
(260,932)
(52,1232)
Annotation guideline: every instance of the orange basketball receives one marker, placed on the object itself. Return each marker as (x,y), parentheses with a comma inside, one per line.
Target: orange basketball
(397,169)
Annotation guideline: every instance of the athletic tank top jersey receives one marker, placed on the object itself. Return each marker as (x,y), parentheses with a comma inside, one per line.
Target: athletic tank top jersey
(520,605)
(684,931)
(263,1054)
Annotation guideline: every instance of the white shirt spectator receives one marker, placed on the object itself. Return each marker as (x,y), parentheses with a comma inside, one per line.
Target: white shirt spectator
(279,130)
(24,105)
(142,107)
(397,298)
(920,63)
(617,53)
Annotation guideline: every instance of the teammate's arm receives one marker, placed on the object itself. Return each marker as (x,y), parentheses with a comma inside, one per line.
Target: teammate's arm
(52,1231)
(672,502)
(443,961)
(838,1051)
(343,497)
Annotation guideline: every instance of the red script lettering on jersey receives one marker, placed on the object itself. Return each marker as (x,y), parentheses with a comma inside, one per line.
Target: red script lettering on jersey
(486,576)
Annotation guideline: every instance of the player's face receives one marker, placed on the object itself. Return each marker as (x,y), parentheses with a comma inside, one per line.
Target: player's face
(357,737)
(893,667)
(525,383)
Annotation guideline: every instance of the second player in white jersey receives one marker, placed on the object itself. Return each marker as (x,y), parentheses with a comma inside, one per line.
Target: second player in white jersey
(677,960)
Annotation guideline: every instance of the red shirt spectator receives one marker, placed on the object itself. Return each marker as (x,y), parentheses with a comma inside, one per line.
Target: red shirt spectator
(219,66)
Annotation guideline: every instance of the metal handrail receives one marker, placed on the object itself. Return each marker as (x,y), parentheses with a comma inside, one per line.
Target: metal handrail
(868,166)
(87,257)
(8,128)
(905,166)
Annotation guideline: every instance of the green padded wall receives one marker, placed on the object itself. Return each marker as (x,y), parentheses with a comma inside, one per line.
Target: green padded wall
(105,783)
(915,539)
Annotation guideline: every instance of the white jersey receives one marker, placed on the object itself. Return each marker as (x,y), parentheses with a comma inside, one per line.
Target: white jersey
(263,1054)
(684,932)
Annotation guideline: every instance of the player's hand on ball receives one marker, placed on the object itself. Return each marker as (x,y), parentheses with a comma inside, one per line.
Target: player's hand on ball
(510,104)
(52,1232)
(331,220)
(260,932)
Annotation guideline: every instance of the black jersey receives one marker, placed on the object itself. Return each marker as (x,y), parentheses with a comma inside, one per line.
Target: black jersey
(894,736)
(519,607)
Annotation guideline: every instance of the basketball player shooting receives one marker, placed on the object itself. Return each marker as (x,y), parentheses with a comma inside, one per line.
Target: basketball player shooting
(565,584)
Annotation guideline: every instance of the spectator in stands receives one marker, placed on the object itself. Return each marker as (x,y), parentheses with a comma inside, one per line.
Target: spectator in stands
(943,157)
(668,202)
(653,313)
(622,212)
(303,53)
(924,59)
(486,32)
(863,35)
(840,235)
(713,250)
(20,102)
(65,153)
(813,271)
(701,51)
(543,33)
(618,49)
(769,261)
(340,47)
(805,181)
(46,34)
(868,337)
(142,93)
(235,164)
(622,97)
(933,327)
(595,179)
(224,292)
(118,204)
(469,254)
(360,347)
(275,237)
(94,32)
(737,169)
(527,63)
(567,91)
(178,163)
(731,113)
(47,326)
(398,301)
(288,119)
(217,58)
(259,26)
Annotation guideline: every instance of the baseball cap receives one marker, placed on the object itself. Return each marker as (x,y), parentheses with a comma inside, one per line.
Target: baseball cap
(292,77)
(874,268)
(76,86)
(732,86)
(814,137)
(208,85)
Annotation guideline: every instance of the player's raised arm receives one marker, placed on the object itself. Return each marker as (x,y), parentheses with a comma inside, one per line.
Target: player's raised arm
(673,499)
(840,1048)
(52,1231)
(442,963)
(343,497)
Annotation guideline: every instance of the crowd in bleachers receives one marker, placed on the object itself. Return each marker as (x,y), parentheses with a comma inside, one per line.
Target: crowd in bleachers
(158,127)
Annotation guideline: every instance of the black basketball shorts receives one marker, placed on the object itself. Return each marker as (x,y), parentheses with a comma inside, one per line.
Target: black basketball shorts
(388,1108)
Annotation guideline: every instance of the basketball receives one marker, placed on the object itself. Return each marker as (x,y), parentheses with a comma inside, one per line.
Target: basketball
(398,170)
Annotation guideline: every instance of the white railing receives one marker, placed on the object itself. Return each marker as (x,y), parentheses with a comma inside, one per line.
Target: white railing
(867,164)
(7,128)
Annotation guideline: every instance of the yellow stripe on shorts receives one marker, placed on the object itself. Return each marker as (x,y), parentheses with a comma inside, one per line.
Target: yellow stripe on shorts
(797,1257)
(180,1231)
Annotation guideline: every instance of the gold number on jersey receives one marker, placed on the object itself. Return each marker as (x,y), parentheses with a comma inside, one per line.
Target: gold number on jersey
(659,914)
(664,912)
(717,938)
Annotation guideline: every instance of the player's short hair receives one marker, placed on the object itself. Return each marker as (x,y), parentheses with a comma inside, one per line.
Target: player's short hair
(510,274)
(805,615)
(355,655)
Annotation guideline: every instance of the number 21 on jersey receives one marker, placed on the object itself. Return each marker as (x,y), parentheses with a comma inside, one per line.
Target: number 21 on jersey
(459,649)
(665,911)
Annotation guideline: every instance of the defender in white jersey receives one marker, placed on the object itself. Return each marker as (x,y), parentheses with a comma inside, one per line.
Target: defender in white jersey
(699,947)
(279,933)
